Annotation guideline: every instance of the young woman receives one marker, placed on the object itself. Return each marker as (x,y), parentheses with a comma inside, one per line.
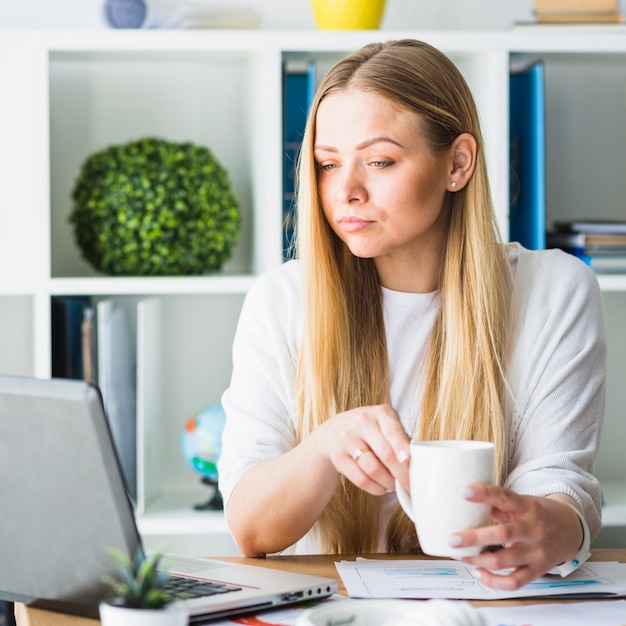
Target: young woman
(404,317)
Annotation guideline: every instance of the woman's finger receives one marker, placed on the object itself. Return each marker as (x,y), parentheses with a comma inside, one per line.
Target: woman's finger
(504,500)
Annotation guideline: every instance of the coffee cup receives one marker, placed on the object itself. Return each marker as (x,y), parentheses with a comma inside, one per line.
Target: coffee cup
(439,473)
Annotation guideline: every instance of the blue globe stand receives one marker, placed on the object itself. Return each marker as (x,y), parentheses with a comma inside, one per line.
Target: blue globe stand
(215,502)
(201,446)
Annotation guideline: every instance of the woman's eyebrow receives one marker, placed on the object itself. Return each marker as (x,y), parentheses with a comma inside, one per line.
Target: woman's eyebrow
(324,148)
(374,140)
(364,144)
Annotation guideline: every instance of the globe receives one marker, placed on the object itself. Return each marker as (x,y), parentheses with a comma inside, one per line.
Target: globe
(201,444)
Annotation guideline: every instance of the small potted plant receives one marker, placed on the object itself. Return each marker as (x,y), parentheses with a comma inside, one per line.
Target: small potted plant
(138,595)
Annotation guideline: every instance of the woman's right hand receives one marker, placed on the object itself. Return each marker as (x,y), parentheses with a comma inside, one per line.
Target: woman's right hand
(369,446)
(278,500)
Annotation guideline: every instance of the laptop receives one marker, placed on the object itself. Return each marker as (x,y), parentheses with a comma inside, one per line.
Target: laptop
(64,503)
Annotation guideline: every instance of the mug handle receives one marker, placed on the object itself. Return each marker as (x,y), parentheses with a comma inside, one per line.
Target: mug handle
(405,500)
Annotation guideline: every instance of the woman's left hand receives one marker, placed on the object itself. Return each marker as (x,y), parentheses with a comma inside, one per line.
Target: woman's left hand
(537,534)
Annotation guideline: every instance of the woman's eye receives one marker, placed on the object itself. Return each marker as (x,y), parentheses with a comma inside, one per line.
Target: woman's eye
(381,164)
(326,166)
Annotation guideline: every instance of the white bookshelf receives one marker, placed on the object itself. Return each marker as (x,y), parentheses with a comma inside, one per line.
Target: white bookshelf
(66,94)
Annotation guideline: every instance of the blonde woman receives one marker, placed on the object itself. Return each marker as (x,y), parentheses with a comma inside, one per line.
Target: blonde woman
(404,317)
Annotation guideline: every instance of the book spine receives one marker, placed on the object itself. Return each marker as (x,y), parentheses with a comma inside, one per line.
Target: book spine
(89,355)
(67,342)
(116,331)
(565,240)
(592,227)
(580,18)
(299,83)
(575,6)
(527,144)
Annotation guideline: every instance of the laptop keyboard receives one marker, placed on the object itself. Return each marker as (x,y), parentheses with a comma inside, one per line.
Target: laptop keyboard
(193,588)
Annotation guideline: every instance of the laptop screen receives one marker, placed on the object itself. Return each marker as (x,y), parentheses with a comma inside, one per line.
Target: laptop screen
(59,488)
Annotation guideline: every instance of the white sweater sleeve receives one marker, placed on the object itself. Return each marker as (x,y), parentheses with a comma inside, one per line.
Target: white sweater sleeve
(557,373)
(259,400)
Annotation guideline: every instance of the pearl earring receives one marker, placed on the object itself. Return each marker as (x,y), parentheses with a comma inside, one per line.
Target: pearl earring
(453,184)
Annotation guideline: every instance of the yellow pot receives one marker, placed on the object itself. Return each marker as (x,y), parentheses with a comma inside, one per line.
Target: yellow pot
(348,14)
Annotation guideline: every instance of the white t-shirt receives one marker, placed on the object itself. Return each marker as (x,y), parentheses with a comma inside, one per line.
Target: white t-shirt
(556,374)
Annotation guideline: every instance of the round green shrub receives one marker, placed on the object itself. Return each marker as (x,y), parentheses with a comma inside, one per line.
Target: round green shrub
(154,208)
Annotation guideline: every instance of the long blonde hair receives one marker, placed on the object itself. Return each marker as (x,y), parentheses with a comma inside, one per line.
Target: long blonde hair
(465,370)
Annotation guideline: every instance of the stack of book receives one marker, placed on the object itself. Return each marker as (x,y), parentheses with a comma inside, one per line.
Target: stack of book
(96,341)
(600,244)
(577,11)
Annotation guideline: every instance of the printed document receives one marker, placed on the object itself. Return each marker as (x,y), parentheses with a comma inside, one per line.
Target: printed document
(422,579)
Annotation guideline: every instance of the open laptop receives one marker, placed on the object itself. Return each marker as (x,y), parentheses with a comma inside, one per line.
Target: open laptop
(63,504)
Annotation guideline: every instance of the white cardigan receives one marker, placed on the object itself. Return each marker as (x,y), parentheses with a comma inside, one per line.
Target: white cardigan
(556,373)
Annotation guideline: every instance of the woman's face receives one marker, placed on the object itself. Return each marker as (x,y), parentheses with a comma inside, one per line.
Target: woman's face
(381,187)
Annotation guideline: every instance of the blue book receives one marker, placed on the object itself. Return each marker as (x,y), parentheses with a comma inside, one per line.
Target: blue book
(298,90)
(67,346)
(528,157)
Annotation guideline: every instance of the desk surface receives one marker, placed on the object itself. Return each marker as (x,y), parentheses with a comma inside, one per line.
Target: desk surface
(318,565)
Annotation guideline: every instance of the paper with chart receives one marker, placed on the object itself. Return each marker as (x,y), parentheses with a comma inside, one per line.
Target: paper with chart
(422,579)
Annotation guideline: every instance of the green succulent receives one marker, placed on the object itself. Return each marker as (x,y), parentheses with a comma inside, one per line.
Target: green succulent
(151,207)
(140,584)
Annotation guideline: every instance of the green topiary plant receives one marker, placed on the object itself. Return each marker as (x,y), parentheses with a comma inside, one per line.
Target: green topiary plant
(154,208)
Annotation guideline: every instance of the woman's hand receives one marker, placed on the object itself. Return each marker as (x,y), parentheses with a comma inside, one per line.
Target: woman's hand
(369,446)
(537,533)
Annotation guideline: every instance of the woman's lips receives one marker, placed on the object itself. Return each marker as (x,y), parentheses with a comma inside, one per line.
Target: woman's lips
(353,224)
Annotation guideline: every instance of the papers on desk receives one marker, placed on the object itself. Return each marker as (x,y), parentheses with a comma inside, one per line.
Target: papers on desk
(600,613)
(421,579)
(604,613)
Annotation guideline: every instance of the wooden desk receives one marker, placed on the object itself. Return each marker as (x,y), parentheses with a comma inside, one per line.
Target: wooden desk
(318,565)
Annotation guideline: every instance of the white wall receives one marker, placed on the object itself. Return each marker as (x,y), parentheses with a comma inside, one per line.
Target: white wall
(283,14)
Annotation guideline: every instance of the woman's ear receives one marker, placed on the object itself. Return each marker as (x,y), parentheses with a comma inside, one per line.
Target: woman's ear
(463,151)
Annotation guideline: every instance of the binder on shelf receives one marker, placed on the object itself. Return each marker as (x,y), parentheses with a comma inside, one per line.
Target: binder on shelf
(116,321)
(528,160)
(298,90)
(67,316)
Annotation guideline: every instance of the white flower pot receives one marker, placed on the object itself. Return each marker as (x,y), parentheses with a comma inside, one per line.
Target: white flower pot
(173,614)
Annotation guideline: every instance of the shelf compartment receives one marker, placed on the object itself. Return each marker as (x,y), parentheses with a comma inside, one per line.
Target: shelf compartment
(103,98)
(186,341)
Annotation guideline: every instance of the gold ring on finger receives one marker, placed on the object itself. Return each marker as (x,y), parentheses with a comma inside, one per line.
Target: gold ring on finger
(356,455)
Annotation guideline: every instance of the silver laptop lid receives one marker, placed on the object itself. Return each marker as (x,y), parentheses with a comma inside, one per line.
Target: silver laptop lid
(53,548)
(64,504)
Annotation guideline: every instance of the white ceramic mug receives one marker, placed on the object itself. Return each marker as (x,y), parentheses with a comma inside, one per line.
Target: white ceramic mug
(439,473)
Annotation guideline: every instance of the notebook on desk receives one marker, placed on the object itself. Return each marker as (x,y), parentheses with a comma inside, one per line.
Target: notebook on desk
(64,504)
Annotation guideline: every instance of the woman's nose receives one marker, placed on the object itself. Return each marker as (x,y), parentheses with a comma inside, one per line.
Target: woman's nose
(352,187)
